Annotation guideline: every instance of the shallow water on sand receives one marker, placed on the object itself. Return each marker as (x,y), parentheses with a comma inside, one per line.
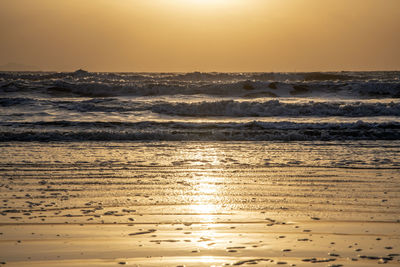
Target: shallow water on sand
(200,203)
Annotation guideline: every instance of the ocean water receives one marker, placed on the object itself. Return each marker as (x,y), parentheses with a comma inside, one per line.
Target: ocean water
(86,106)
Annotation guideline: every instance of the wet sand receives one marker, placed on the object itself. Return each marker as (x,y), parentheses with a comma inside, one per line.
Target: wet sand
(193,204)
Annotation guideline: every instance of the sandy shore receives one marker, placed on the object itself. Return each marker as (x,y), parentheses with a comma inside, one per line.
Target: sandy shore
(199,244)
(206,209)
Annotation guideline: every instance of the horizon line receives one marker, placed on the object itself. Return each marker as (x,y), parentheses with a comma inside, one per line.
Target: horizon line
(198,71)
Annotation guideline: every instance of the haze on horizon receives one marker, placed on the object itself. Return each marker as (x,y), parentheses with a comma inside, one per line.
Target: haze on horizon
(201,35)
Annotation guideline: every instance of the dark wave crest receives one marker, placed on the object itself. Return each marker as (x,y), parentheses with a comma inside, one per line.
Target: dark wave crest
(227,108)
(168,131)
(252,85)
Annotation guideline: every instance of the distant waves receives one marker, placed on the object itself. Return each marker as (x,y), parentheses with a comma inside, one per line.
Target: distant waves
(247,85)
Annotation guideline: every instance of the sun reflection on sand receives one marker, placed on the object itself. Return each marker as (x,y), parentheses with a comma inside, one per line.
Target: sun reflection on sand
(204,189)
(205,193)
(208,156)
(206,212)
(207,259)
(213,261)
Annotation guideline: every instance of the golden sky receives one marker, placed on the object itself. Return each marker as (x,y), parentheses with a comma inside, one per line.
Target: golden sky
(201,35)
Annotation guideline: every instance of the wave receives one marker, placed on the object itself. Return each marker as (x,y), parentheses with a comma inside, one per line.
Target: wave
(277,108)
(251,85)
(227,108)
(175,131)
(247,89)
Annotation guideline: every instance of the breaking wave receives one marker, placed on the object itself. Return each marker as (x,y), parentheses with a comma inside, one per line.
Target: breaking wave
(251,131)
(228,108)
(251,85)
(278,108)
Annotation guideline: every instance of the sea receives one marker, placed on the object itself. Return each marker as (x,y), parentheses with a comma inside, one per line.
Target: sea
(104,106)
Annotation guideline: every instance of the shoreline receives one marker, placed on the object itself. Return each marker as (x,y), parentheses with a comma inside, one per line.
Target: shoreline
(199,204)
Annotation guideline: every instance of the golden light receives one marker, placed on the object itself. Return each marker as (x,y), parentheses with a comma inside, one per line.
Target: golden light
(208,3)
(208,192)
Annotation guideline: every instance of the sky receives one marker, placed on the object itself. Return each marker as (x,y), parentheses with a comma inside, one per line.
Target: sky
(200,35)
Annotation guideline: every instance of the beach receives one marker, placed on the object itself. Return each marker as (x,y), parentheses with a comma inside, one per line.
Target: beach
(194,133)
(199,169)
(200,203)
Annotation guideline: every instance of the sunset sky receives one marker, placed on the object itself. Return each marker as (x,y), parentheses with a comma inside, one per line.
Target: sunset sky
(203,35)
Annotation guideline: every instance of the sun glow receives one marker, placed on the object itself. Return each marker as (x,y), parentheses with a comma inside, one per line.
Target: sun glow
(207,3)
